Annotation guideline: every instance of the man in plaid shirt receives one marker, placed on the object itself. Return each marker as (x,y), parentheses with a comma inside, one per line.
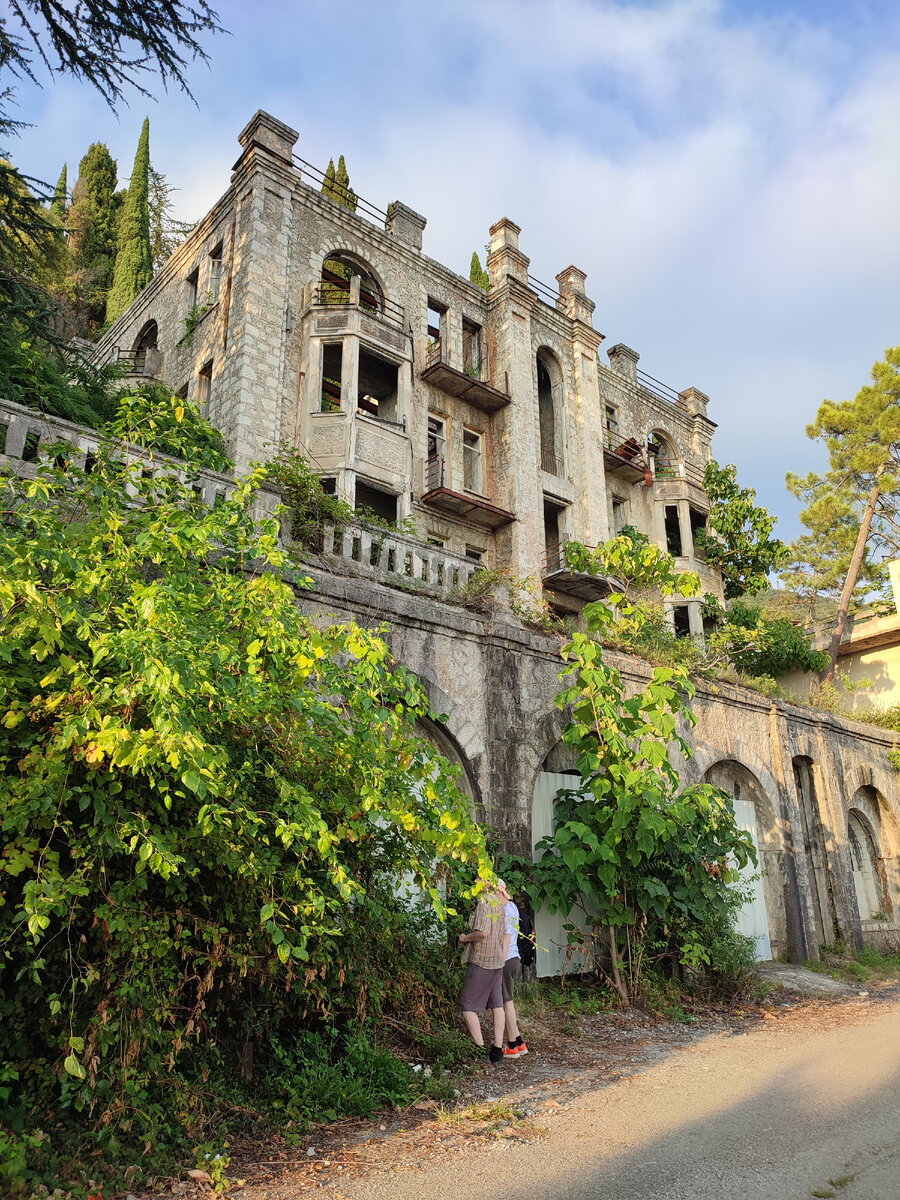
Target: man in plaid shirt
(486,947)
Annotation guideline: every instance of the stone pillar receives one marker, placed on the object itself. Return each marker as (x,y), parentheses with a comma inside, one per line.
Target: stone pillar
(505,259)
(265,132)
(405,224)
(624,361)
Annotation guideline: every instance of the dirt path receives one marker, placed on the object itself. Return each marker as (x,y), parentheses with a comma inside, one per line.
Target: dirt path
(755,1103)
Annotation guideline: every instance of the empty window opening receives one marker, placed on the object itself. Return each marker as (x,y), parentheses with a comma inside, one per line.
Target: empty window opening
(436,315)
(191,284)
(550,459)
(31,447)
(377,386)
(663,457)
(337,271)
(673,531)
(619,515)
(332,355)
(204,390)
(698,525)
(472,357)
(554,535)
(328,485)
(435,539)
(435,454)
(146,340)
(4,430)
(376,502)
(474,554)
(612,426)
(472,466)
(681,620)
(184,390)
(215,273)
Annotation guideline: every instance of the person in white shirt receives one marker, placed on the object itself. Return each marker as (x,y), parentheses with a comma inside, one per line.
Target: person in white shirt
(515,1045)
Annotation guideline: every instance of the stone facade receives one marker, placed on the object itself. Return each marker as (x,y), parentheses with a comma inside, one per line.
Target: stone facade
(490,418)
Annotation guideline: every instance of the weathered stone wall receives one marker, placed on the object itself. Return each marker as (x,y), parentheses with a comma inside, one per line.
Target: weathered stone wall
(496,681)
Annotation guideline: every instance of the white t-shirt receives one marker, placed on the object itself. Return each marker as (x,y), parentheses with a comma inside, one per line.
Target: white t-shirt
(512,928)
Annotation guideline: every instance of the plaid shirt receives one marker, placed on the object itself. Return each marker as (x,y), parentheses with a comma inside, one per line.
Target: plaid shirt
(489,917)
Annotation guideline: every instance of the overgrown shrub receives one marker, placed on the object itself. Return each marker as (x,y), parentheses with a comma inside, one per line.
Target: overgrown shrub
(206,803)
(309,508)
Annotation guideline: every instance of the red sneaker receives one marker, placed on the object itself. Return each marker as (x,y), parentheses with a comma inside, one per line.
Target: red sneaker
(521,1048)
(512,1051)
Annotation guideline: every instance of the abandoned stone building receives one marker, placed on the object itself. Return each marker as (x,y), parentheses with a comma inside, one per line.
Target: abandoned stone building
(490,418)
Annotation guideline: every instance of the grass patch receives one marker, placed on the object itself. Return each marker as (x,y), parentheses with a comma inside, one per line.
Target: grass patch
(854,967)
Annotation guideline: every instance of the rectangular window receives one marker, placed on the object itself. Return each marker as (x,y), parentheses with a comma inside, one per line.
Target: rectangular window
(698,524)
(215,273)
(472,363)
(619,515)
(673,531)
(328,485)
(204,389)
(436,314)
(373,500)
(681,620)
(472,474)
(183,391)
(377,386)
(435,454)
(474,554)
(612,426)
(435,539)
(190,288)
(332,355)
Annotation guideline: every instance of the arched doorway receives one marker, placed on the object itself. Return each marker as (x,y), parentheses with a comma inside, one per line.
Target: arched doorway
(751,813)
(864,854)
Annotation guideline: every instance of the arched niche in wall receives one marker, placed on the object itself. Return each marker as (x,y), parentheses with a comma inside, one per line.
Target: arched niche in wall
(554,956)
(443,741)
(872,837)
(339,267)
(550,411)
(814,848)
(665,457)
(764,916)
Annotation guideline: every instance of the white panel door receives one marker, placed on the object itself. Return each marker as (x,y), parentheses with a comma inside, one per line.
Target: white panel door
(550,938)
(752,918)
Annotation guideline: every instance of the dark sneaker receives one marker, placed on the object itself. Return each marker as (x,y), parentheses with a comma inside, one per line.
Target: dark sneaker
(520,1046)
(495,1054)
(510,1051)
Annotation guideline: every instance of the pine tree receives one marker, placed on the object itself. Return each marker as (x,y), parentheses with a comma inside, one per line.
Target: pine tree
(477,274)
(134,257)
(854,508)
(92,237)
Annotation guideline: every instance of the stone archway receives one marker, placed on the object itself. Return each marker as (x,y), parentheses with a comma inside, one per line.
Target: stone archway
(764,916)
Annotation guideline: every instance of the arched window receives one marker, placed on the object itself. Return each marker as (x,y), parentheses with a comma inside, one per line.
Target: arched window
(145,341)
(863,854)
(338,270)
(665,459)
(549,388)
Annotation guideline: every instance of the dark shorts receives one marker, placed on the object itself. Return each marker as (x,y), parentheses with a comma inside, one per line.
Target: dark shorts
(481,989)
(512,974)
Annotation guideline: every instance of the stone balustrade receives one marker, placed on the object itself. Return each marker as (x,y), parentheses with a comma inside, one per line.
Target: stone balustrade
(397,560)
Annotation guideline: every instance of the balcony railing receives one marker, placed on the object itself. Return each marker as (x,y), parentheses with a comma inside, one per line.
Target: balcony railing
(333,290)
(552,464)
(469,385)
(558,574)
(140,362)
(26,437)
(397,560)
(661,390)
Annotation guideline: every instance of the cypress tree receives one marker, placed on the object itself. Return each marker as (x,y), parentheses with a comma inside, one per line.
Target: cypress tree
(477,274)
(92,237)
(328,185)
(343,192)
(60,198)
(134,257)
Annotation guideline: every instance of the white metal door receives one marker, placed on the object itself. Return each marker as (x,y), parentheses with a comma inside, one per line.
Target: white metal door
(752,918)
(550,937)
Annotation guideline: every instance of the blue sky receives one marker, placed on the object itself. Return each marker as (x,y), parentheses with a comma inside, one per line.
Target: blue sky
(727,174)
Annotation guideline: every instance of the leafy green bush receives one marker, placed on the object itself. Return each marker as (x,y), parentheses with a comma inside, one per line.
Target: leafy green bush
(309,508)
(763,645)
(206,802)
(150,417)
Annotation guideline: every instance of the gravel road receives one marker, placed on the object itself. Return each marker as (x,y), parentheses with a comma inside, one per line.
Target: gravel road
(780,1112)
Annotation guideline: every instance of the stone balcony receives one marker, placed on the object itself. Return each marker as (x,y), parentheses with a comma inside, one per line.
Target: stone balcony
(396,560)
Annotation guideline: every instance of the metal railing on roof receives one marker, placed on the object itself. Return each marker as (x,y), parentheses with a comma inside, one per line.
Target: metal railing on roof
(363,207)
(548,294)
(334,291)
(662,390)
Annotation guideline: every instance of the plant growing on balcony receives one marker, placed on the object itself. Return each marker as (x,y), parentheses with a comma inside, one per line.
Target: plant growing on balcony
(309,509)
